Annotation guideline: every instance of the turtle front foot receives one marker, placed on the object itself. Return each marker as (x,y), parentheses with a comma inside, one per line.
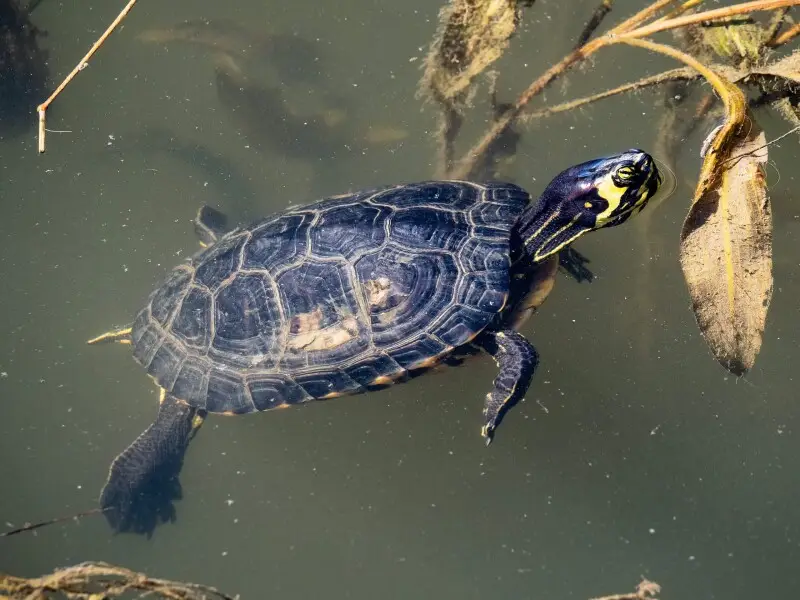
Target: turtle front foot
(143,483)
(517,360)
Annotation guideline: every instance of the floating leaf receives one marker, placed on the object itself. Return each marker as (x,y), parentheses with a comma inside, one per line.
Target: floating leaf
(726,242)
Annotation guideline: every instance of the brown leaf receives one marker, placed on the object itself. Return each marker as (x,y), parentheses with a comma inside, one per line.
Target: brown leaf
(726,244)
(787,68)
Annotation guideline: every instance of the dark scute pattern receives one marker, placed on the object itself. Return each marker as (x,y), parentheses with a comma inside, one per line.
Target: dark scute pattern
(192,325)
(345,230)
(220,261)
(313,286)
(323,294)
(140,324)
(475,291)
(381,365)
(508,194)
(444,287)
(192,382)
(496,217)
(484,256)
(413,354)
(460,325)
(227,393)
(273,391)
(422,285)
(428,229)
(166,363)
(148,344)
(167,298)
(277,242)
(453,195)
(318,385)
(247,321)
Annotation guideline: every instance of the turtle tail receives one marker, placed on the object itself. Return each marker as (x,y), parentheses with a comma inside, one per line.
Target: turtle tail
(143,481)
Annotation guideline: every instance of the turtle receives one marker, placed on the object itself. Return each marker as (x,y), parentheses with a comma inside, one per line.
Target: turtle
(348,295)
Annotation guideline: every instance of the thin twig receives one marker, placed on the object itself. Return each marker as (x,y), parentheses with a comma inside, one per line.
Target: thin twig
(624,32)
(787,35)
(464,169)
(642,16)
(774,27)
(682,74)
(32,526)
(79,67)
(644,590)
(594,22)
(689,4)
(710,15)
(90,581)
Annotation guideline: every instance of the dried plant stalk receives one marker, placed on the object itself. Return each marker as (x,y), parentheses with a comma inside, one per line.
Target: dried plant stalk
(95,580)
(632,28)
(82,64)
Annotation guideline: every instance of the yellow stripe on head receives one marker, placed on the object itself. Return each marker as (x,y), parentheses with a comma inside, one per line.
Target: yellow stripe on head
(611,193)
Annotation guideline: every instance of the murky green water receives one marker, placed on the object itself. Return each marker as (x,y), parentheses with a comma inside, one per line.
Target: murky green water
(635,454)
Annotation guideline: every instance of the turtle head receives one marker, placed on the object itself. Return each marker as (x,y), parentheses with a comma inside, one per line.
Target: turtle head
(589,196)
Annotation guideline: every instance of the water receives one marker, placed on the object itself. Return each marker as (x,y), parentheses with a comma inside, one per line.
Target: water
(635,454)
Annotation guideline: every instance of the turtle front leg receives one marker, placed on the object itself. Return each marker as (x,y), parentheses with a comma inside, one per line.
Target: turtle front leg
(143,480)
(517,359)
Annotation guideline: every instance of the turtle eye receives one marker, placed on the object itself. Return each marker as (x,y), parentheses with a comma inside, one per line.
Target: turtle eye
(623,175)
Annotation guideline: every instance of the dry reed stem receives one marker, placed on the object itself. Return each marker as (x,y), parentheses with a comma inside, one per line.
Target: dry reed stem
(96,580)
(42,108)
(645,590)
(622,33)
(786,36)
(689,4)
(710,15)
(681,74)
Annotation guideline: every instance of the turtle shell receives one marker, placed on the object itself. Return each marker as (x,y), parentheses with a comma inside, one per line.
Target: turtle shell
(331,298)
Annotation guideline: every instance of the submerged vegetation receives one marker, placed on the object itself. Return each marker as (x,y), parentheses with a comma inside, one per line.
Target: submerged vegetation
(726,240)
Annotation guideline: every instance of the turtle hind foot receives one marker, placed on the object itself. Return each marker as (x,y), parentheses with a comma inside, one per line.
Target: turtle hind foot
(143,482)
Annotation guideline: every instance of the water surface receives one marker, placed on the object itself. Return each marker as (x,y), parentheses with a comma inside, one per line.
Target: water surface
(634,454)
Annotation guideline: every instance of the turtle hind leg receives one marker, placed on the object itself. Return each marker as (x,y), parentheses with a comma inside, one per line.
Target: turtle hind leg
(517,360)
(210,225)
(143,481)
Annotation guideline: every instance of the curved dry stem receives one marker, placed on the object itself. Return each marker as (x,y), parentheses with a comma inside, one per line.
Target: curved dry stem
(42,108)
(786,36)
(681,74)
(710,15)
(625,32)
(465,167)
(93,580)
(688,5)
(733,98)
